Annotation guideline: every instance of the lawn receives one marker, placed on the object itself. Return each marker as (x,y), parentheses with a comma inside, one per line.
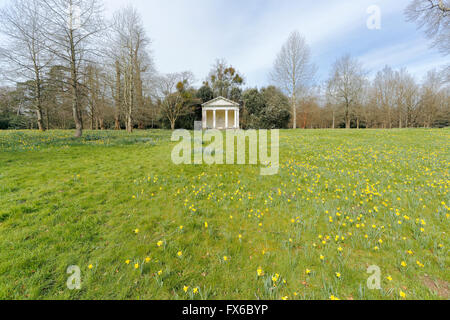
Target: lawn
(140,227)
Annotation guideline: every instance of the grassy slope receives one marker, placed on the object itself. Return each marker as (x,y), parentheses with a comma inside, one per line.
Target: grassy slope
(65,202)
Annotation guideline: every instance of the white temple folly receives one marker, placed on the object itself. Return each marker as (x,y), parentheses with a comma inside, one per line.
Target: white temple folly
(220,113)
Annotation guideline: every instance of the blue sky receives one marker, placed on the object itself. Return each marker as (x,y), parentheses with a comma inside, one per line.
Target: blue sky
(191,34)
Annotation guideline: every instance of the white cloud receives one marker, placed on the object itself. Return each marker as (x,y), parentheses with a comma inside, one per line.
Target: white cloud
(415,55)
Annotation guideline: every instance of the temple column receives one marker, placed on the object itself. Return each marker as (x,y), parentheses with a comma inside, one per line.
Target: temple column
(205,118)
(214,119)
(237,119)
(226,119)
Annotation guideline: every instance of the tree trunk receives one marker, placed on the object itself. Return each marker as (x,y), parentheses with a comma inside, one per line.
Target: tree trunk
(47,115)
(347,116)
(118,98)
(305,120)
(129,123)
(334,120)
(347,113)
(390,118)
(408,117)
(74,84)
(294,111)
(39,120)
(130,93)
(92,120)
(130,110)
(138,80)
(37,93)
(76,114)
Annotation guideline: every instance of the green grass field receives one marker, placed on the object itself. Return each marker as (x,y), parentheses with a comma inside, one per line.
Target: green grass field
(140,227)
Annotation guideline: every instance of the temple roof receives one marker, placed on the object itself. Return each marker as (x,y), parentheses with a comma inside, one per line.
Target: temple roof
(220,102)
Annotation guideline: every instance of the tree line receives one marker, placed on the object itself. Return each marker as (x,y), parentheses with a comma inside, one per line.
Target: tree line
(74,69)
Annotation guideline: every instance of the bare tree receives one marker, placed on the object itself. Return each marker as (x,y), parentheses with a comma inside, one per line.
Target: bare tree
(170,92)
(131,60)
(385,90)
(430,98)
(345,85)
(406,97)
(24,53)
(293,70)
(70,29)
(434,16)
(95,91)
